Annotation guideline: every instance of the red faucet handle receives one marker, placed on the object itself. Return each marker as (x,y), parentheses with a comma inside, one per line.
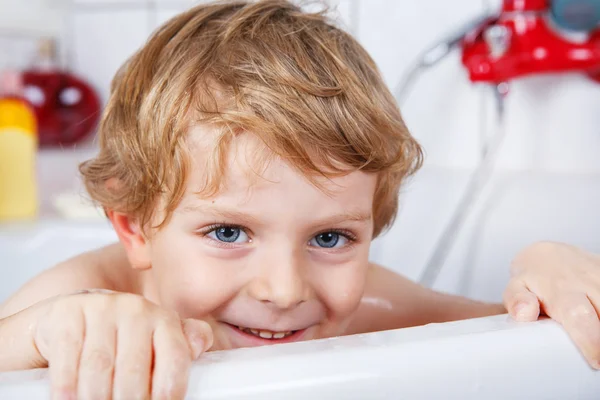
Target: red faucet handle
(525,5)
(524,43)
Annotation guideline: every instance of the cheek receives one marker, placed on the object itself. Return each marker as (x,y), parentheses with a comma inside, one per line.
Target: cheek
(186,280)
(341,287)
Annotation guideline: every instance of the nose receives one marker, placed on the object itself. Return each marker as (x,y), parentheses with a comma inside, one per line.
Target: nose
(280,281)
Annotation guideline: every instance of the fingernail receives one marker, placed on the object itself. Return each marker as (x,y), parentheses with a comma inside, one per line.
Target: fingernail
(521,310)
(595,364)
(197,344)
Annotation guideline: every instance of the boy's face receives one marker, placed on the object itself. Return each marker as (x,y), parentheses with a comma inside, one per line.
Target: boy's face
(272,254)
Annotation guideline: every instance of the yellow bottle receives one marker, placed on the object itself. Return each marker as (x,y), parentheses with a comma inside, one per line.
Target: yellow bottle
(18,148)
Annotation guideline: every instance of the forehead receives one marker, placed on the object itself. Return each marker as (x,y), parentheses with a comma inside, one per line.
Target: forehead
(252,171)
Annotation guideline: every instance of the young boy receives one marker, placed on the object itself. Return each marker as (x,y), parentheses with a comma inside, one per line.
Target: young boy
(249,153)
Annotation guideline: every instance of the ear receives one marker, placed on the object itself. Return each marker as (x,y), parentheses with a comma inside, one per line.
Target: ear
(132,238)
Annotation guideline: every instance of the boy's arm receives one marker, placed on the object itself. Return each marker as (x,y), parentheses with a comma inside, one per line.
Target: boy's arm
(392,301)
(17,345)
(95,269)
(105,268)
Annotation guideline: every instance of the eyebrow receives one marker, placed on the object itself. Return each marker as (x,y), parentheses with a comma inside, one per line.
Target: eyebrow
(226,213)
(358,216)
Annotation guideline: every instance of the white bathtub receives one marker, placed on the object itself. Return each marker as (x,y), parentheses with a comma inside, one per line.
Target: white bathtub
(28,248)
(487,358)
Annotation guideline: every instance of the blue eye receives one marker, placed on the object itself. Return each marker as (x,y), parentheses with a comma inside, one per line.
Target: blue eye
(228,234)
(329,240)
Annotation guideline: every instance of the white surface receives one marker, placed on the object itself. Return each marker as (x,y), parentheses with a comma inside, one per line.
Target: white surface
(86,2)
(487,358)
(443,110)
(528,208)
(103,40)
(521,208)
(58,174)
(40,17)
(553,145)
(482,359)
(28,249)
(166,9)
(552,124)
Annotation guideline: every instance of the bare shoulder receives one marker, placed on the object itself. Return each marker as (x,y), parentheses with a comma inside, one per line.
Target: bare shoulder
(104,268)
(389,302)
(392,301)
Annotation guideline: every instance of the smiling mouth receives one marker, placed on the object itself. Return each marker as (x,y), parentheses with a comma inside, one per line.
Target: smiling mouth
(265,334)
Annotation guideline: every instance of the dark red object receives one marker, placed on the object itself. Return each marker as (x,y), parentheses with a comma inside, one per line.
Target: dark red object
(533,46)
(66,107)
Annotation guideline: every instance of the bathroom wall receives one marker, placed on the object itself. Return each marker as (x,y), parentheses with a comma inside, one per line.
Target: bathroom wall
(105,32)
(551,120)
(21,22)
(32,15)
(547,185)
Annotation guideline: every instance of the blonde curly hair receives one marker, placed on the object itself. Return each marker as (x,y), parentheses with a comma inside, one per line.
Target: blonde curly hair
(306,88)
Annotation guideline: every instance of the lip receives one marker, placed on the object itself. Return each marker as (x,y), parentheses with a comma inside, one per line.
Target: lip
(243,339)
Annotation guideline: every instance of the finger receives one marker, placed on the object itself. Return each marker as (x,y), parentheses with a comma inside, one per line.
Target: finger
(97,360)
(198,335)
(594,299)
(64,355)
(580,319)
(522,304)
(172,361)
(133,365)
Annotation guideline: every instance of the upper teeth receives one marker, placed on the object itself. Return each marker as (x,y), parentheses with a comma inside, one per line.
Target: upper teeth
(266,334)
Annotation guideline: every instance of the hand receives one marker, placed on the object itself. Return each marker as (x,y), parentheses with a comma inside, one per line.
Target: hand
(562,282)
(104,345)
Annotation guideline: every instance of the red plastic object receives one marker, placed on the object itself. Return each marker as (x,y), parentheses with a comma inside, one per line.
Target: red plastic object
(524,5)
(66,107)
(533,48)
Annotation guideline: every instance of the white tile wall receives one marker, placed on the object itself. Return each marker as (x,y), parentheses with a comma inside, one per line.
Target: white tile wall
(566,123)
(106,32)
(427,200)
(32,16)
(183,3)
(552,124)
(518,209)
(532,206)
(341,10)
(103,40)
(396,32)
(22,23)
(163,10)
(346,12)
(117,3)
(442,107)
(164,13)
(18,52)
